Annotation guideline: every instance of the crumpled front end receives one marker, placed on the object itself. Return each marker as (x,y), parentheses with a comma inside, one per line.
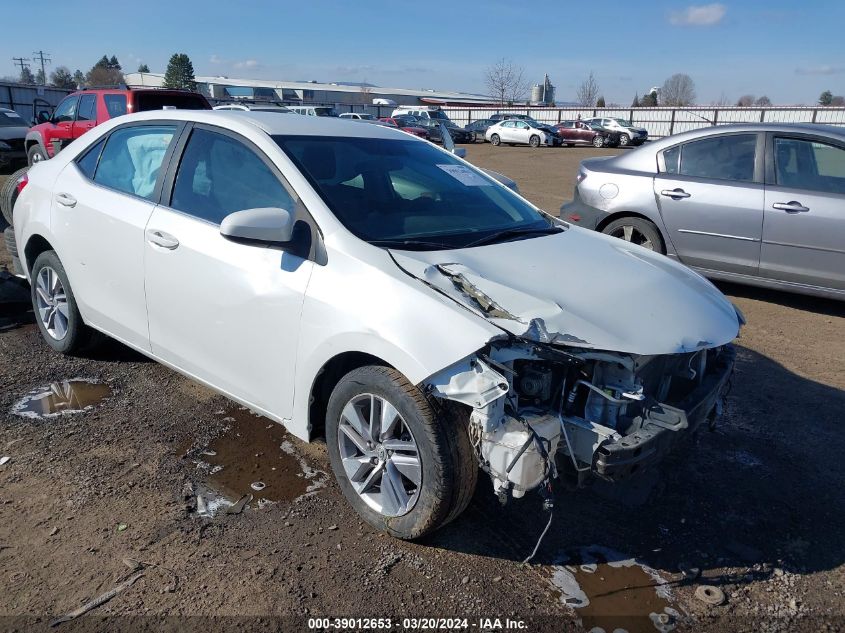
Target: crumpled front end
(539,411)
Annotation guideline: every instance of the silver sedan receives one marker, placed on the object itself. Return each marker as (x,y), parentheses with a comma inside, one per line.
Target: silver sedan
(758,204)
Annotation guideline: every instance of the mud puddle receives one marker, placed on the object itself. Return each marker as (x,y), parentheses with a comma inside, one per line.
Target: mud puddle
(254,462)
(62,398)
(611,593)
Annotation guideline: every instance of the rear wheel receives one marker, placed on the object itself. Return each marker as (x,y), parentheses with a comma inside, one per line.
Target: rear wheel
(494,138)
(405,467)
(9,193)
(638,231)
(598,140)
(56,312)
(35,154)
(534,141)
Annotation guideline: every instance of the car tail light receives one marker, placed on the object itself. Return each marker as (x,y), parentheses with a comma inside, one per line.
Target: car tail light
(22,182)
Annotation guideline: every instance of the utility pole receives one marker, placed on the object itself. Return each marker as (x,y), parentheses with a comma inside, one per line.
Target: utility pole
(42,57)
(23,62)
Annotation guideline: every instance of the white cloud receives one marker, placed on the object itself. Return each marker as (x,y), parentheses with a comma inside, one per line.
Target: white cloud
(699,15)
(820,70)
(247,63)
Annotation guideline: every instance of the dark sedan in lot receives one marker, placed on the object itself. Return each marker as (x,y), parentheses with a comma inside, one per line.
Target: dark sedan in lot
(478,128)
(13,131)
(584,133)
(760,204)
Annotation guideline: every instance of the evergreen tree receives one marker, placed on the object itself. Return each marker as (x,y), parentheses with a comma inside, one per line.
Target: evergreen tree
(79,78)
(40,77)
(114,64)
(180,73)
(61,78)
(649,100)
(143,68)
(600,102)
(636,102)
(26,76)
(826,98)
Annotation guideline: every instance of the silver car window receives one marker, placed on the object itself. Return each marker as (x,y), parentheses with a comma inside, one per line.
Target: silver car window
(729,157)
(806,164)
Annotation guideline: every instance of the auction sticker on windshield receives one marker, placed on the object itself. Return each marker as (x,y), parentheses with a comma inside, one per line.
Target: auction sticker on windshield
(465,175)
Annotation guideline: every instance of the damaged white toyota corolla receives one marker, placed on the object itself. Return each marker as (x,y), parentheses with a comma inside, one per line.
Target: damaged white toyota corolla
(353,282)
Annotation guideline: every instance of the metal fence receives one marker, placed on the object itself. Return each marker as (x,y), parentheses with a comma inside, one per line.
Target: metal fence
(25,99)
(665,121)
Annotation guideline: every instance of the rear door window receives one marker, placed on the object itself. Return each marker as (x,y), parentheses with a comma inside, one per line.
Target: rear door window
(87,108)
(729,157)
(115,104)
(131,160)
(809,164)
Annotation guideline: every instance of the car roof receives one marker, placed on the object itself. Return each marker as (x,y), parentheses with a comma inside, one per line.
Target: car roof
(271,123)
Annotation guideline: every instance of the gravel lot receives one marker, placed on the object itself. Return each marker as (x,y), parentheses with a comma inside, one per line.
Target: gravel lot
(90,500)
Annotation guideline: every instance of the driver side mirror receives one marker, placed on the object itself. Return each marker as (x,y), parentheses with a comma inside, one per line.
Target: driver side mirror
(263,225)
(43,116)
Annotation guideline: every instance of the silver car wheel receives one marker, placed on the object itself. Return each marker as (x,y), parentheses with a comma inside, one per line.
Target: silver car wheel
(51,302)
(380,455)
(634,235)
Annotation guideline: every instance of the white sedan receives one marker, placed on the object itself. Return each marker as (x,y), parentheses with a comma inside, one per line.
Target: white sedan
(355,283)
(522,132)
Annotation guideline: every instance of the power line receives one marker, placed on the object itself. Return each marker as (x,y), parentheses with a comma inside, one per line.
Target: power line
(23,62)
(43,58)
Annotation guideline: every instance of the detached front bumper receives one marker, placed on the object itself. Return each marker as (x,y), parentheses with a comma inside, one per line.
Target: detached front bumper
(663,425)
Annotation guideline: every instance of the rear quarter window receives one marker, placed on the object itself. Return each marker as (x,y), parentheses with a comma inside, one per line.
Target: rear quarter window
(115,105)
(156,101)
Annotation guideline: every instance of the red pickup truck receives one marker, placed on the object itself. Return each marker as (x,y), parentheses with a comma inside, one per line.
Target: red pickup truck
(80,111)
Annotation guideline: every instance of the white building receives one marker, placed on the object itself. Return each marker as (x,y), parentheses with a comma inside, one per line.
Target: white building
(227,88)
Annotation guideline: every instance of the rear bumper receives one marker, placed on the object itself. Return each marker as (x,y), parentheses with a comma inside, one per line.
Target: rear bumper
(664,425)
(580,213)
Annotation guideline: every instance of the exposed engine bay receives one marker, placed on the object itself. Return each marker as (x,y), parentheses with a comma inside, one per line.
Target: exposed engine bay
(541,411)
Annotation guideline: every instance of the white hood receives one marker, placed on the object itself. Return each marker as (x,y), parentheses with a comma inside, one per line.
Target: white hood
(582,289)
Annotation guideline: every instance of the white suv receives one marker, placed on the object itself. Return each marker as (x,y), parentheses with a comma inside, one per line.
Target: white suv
(628,134)
(359,283)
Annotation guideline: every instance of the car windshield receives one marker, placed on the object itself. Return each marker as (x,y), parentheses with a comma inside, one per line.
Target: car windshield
(279,110)
(367,117)
(534,123)
(438,114)
(10,119)
(409,194)
(623,122)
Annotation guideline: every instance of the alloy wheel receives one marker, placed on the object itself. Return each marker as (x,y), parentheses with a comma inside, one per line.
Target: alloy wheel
(632,234)
(380,455)
(51,302)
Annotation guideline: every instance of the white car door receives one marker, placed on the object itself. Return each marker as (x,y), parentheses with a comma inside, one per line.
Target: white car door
(522,132)
(225,312)
(507,132)
(102,203)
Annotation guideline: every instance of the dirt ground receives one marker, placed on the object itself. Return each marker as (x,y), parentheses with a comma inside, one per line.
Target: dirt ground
(132,496)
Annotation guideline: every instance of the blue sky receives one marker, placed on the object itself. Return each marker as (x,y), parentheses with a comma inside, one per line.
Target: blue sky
(790,51)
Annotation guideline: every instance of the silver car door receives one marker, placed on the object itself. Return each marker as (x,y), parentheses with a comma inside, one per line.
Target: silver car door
(710,194)
(804,218)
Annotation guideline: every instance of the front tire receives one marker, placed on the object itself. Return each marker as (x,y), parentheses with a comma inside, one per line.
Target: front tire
(598,141)
(404,466)
(534,141)
(56,312)
(624,140)
(637,231)
(35,154)
(495,140)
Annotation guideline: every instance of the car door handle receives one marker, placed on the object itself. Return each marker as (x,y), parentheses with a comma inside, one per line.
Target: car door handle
(675,194)
(160,238)
(792,206)
(65,199)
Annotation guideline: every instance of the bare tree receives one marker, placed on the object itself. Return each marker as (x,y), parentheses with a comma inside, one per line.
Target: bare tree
(763,101)
(745,101)
(722,101)
(365,94)
(588,92)
(838,100)
(505,81)
(678,91)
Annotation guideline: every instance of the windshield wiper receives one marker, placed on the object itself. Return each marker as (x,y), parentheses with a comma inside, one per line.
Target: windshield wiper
(510,233)
(406,243)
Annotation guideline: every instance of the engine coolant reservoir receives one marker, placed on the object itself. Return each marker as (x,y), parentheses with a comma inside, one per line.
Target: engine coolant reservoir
(501,445)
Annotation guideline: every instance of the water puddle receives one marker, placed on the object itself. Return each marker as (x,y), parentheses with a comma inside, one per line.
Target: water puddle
(62,398)
(611,593)
(253,462)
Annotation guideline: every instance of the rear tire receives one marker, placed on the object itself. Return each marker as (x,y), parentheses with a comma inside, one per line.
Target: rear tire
(9,193)
(443,472)
(35,154)
(495,140)
(637,231)
(56,312)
